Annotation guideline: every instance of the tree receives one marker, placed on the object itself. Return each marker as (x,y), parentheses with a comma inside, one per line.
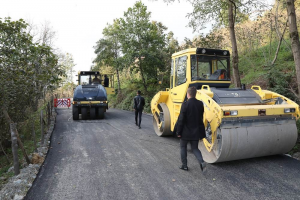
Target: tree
(294,36)
(142,42)
(279,34)
(172,44)
(67,63)
(108,49)
(213,40)
(235,55)
(27,70)
(187,43)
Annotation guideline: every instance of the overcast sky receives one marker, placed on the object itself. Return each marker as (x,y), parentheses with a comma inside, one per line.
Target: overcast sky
(79,24)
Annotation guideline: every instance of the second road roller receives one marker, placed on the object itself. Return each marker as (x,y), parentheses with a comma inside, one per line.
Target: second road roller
(90,96)
(240,123)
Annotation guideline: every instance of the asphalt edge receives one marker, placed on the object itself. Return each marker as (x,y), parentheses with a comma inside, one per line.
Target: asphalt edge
(48,138)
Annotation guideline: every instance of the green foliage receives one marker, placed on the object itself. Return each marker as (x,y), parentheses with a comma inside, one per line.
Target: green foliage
(24,130)
(280,82)
(136,46)
(108,49)
(27,69)
(28,72)
(255,66)
(125,100)
(5,175)
(66,63)
(143,42)
(217,10)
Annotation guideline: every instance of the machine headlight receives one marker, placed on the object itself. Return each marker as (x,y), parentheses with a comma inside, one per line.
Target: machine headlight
(230,113)
(289,110)
(234,112)
(224,53)
(203,51)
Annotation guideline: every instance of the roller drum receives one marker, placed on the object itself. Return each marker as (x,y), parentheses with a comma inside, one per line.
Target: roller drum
(164,119)
(249,138)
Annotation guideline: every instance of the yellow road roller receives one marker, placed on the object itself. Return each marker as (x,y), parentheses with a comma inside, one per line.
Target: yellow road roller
(240,123)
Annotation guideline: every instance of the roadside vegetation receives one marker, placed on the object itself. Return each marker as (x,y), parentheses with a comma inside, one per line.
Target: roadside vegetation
(31,70)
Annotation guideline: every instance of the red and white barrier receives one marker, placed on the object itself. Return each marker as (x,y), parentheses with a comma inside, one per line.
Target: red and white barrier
(62,103)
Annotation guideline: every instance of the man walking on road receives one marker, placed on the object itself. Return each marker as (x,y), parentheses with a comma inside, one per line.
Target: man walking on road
(190,128)
(106,81)
(139,103)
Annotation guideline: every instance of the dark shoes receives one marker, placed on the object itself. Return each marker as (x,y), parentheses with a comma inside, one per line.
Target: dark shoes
(203,167)
(184,168)
(137,125)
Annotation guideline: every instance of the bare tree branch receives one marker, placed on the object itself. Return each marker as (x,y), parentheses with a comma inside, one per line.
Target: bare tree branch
(295,93)
(279,44)
(235,8)
(7,159)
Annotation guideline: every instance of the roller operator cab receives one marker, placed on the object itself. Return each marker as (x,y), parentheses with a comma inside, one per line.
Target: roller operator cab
(90,96)
(240,123)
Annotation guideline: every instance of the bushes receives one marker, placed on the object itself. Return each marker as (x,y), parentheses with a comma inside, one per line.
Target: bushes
(25,132)
(124,100)
(282,82)
(28,71)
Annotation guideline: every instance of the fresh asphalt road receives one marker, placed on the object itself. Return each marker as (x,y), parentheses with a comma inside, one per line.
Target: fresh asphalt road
(112,159)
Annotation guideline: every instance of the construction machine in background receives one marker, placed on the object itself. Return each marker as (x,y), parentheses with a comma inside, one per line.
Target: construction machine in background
(90,96)
(240,123)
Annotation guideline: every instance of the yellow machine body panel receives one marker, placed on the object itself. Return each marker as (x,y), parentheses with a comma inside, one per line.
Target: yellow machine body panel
(110,89)
(239,123)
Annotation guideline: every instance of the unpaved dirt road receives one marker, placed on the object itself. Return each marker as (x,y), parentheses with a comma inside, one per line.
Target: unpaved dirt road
(112,159)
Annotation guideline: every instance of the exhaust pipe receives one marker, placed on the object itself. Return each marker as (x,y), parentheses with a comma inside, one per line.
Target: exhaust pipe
(243,87)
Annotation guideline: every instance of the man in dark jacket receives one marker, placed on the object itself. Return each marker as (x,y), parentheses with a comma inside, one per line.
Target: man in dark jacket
(106,81)
(190,128)
(138,105)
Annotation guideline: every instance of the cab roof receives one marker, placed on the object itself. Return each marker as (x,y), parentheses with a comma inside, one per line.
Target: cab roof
(89,73)
(92,73)
(203,51)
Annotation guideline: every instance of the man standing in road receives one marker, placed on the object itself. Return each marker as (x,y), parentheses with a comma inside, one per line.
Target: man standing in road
(190,128)
(106,81)
(138,105)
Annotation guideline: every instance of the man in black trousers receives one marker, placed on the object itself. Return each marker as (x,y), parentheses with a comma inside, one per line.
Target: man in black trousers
(138,105)
(106,81)
(190,128)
